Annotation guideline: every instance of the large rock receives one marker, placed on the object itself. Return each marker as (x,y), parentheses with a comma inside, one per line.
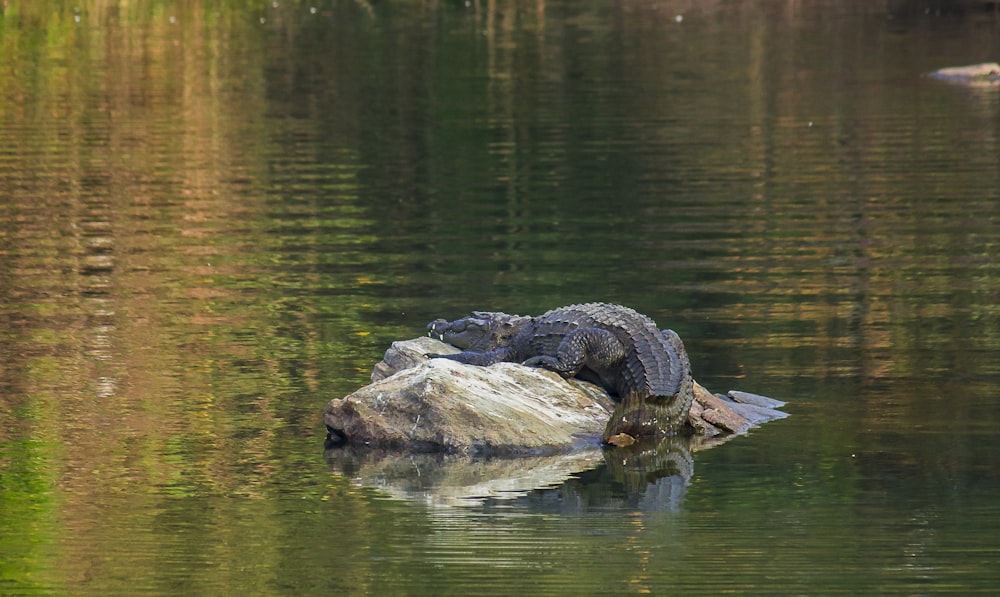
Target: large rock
(442,405)
(426,405)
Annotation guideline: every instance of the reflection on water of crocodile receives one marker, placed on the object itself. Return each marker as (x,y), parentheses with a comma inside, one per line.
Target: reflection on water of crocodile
(648,476)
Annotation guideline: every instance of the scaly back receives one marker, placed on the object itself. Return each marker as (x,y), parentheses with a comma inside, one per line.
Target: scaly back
(653,365)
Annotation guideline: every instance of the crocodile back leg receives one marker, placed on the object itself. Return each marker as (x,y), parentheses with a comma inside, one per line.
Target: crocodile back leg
(597,349)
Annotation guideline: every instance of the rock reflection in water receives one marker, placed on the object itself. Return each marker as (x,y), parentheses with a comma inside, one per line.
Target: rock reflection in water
(456,480)
(648,476)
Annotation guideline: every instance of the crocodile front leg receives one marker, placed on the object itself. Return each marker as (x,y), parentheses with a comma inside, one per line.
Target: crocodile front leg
(594,348)
(482,359)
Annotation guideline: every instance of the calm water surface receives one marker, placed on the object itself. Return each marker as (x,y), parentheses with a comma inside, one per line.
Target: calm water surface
(215,216)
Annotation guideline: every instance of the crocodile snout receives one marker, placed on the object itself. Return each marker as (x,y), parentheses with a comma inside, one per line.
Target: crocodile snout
(436,328)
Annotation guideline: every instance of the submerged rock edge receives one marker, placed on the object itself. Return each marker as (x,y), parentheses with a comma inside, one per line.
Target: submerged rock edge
(986,74)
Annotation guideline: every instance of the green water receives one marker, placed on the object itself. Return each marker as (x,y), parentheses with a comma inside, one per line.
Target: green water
(215,217)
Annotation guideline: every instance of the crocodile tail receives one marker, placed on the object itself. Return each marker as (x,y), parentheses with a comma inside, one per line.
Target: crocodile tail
(679,367)
(651,416)
(660,407)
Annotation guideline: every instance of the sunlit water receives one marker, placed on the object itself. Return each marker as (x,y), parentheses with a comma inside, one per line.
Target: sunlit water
(214,219)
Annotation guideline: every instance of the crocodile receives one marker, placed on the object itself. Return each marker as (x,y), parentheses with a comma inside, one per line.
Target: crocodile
(645,369)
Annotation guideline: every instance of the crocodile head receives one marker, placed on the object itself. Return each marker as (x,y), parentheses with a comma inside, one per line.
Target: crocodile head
(480,332)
